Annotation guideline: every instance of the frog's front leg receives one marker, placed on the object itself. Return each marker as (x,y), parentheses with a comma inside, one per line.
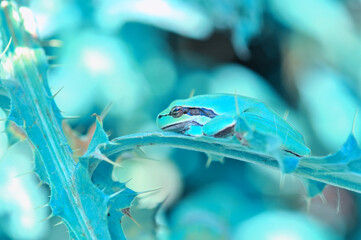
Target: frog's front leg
(242,131)
(194,130)
(241,137)
(220,127)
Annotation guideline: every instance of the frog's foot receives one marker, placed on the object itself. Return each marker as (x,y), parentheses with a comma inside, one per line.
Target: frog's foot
(241,138)
(213,158)
(194,131)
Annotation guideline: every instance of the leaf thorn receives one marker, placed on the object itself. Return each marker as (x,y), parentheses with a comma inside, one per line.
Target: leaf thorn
(101,156)
(6,48)
(47,218)
(57,92)
(126,211)
(106,110)
(285,115)
(59,223)
(52,43)
(323,199)
(56,65)
(23,174)
(116,193)
(71,117)
(45,205)
(354,121)
(191,94)
(40,184)
(152,191)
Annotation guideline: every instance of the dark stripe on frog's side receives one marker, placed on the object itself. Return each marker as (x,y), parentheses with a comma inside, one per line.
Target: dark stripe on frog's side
(194,111)
(226,132)
(289,151)
(181,125)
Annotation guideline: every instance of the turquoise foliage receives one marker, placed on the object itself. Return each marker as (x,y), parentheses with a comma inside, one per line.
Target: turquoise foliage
(90,203)
(340,171)
(107,61)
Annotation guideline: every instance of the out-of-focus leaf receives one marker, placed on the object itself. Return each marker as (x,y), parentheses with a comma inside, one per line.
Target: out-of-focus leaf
(54,16)
(160,180)
(101,68)
(21,197)
(283,225)
(211,212)
(331,124)
(175,16)
(319,19)
(236,79)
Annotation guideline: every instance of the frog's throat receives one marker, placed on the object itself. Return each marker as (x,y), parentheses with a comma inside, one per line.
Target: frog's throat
(181,126)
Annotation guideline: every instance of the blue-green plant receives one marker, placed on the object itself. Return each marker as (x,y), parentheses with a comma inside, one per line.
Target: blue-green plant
(83,193)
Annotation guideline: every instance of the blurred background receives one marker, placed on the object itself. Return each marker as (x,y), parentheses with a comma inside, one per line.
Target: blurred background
(300,56)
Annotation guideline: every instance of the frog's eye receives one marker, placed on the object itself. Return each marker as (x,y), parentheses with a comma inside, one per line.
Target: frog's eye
(176,112)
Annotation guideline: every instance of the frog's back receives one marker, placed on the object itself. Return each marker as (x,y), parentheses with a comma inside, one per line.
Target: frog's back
(225,104)
(219,103)
(222,104)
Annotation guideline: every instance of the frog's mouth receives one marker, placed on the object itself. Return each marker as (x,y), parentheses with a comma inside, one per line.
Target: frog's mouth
(181,126)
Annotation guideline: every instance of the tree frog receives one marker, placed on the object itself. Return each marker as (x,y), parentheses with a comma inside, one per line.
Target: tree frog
(216,116)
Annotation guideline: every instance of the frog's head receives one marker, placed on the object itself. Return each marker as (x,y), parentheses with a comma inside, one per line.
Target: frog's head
(180,115)
(174,118)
